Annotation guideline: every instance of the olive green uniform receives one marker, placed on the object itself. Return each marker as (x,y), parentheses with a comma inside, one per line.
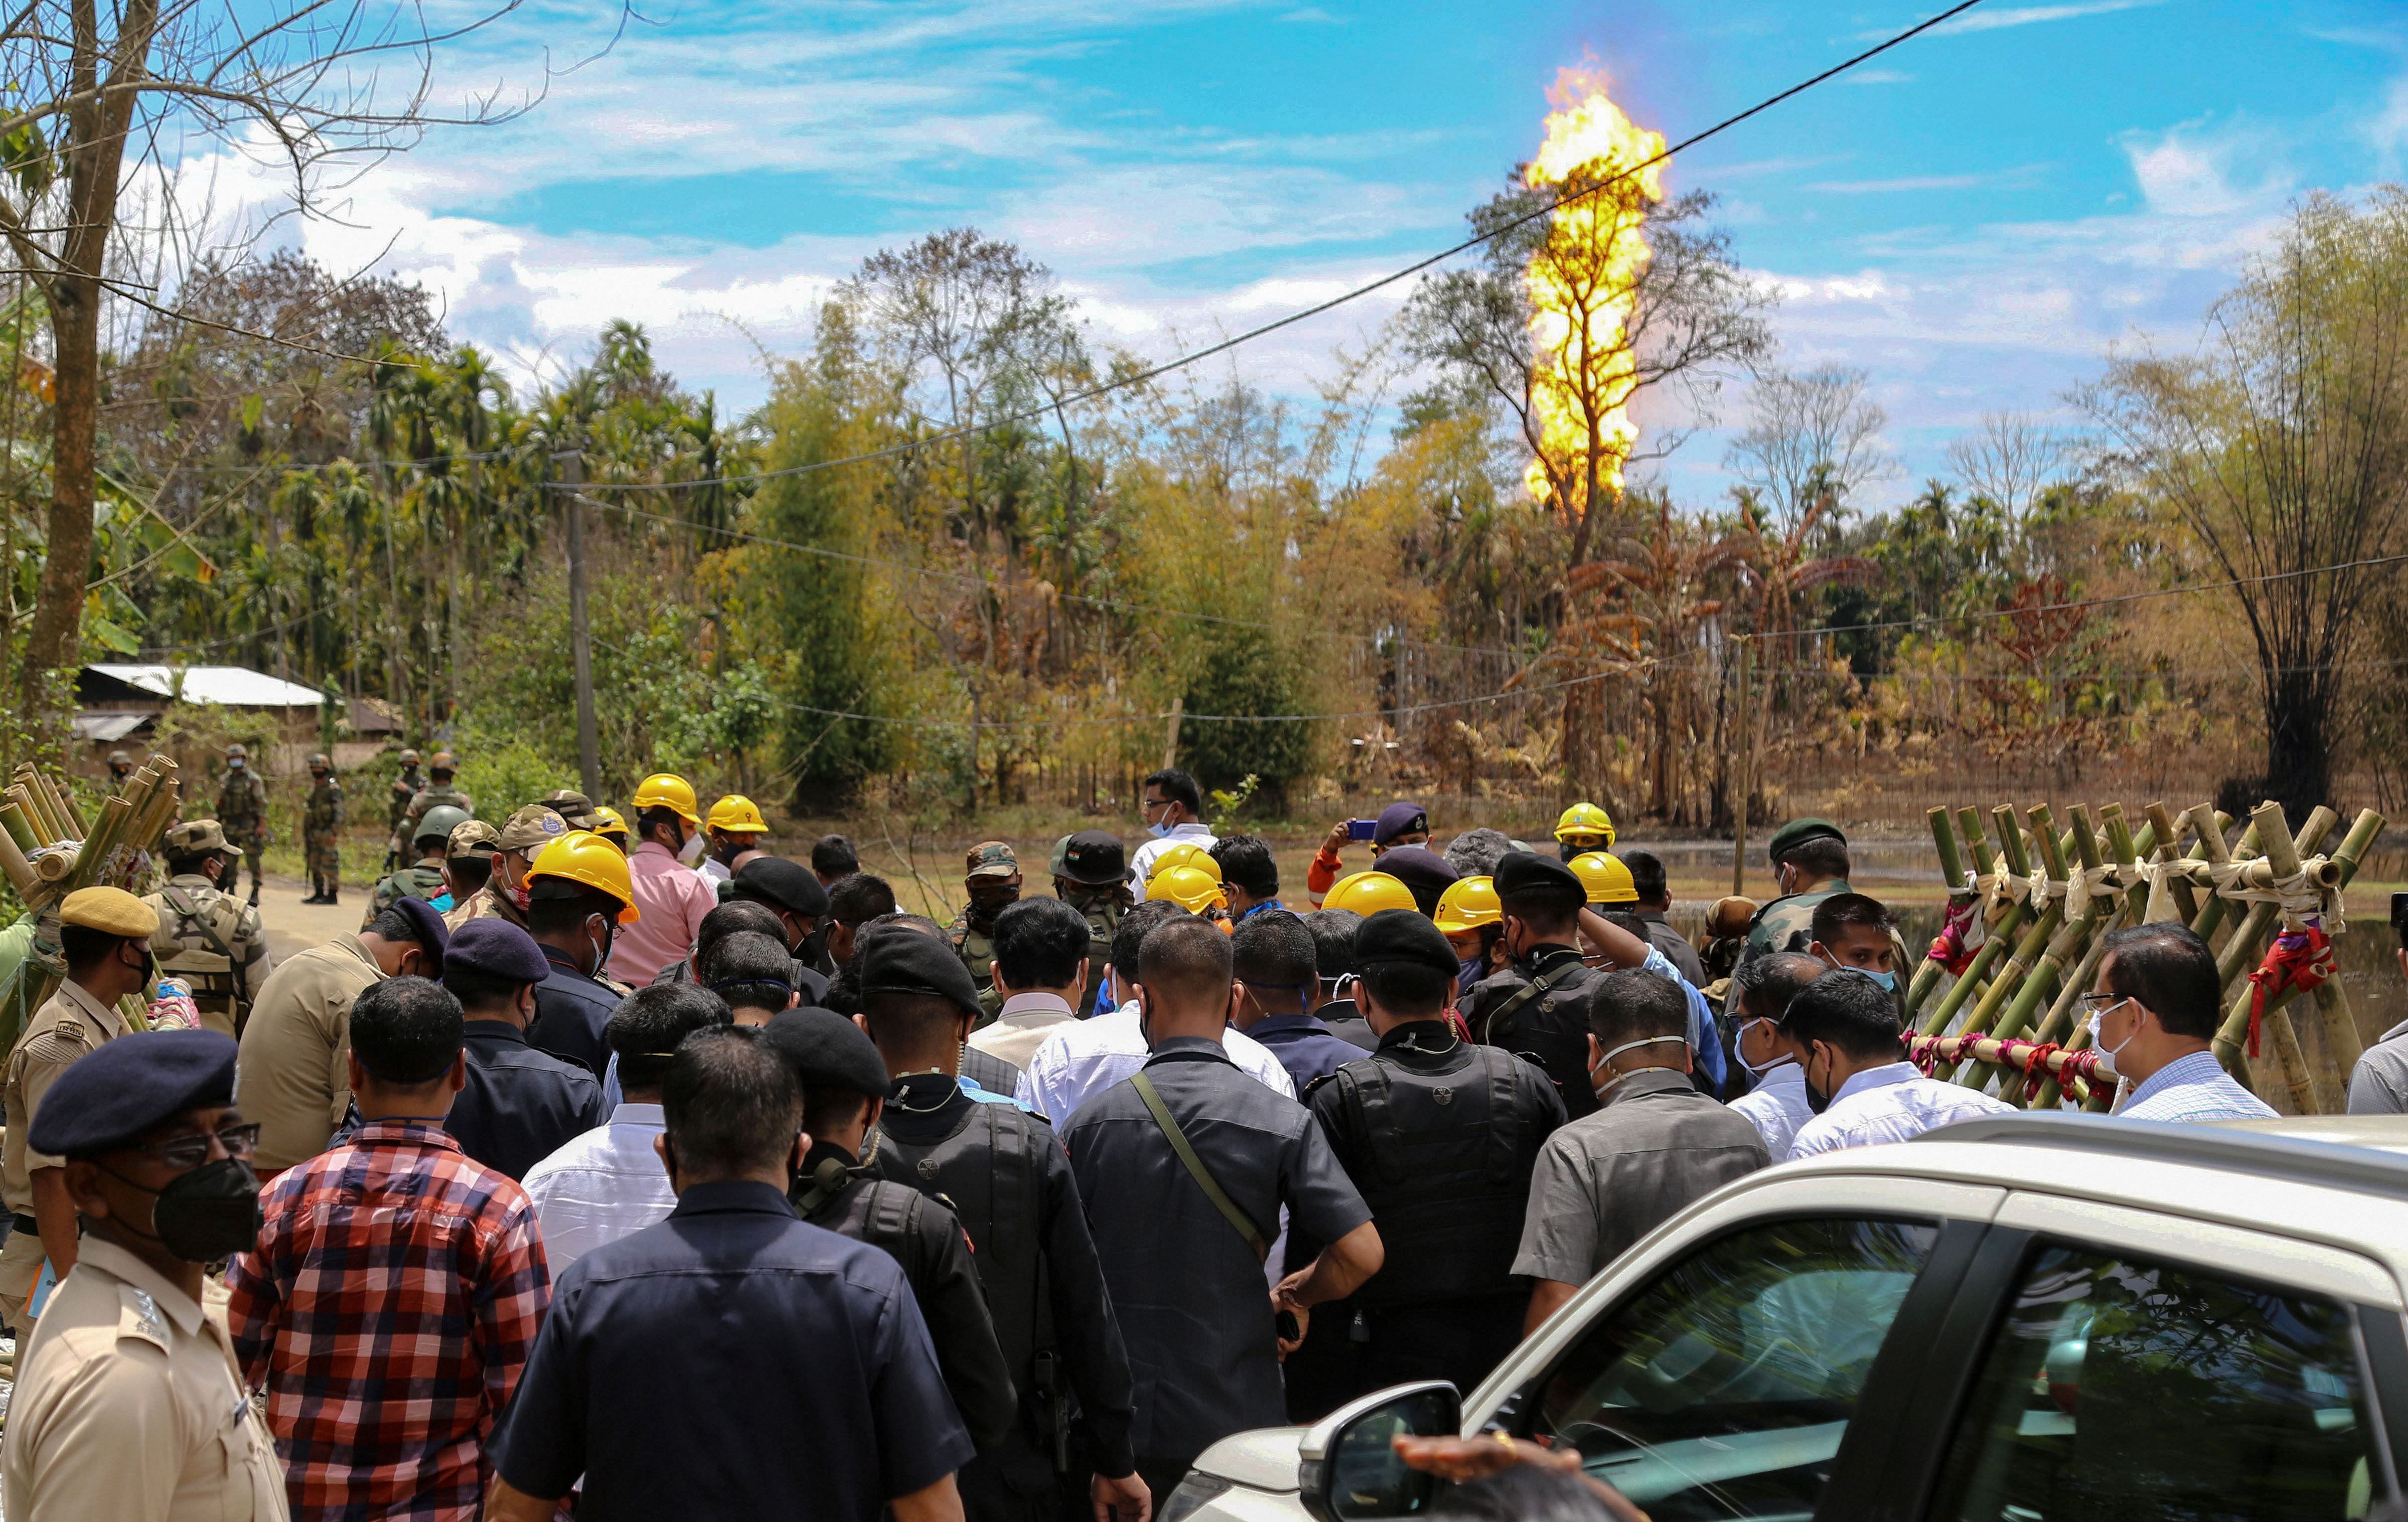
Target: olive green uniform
(975,945)
(321,833)
(430,796)
(423,881)
(213,942)
(405,787)
(242,814)
(1786,924)
(1103,908)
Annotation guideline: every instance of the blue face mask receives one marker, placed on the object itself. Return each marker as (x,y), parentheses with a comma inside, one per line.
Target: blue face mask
(1160,832)
(1887,980)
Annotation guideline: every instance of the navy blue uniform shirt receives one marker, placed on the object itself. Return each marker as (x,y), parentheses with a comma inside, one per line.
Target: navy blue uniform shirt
(519,1105)
(570,1009)
(1306,1047)
(731,1361)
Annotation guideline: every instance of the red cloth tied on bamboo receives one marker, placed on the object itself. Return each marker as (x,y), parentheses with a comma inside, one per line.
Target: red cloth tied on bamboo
(1949,948)
(2035,1056)
(2299,959)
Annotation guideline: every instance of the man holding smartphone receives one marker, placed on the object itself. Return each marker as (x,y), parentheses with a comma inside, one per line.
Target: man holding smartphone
(1398,824)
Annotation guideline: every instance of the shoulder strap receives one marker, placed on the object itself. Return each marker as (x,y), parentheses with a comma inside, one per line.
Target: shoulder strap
(1544,984)
(1196,1170)
(188,912)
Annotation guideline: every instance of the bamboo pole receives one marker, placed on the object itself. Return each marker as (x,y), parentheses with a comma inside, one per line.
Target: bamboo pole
(2228,1040)
(20,871)
(2011,847)
(1927,973)
(45,828)
(19,828)
(2075,932)
(62,800)
(2032,951)
(2282,854)
(2248,943)
(2082,936)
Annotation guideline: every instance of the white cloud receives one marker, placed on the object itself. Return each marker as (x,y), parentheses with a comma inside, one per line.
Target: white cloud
(1878,76)
(1984,20)
(2194,170)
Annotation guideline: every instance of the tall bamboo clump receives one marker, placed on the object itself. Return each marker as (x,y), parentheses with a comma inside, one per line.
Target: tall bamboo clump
(1995,1004)
(49,850)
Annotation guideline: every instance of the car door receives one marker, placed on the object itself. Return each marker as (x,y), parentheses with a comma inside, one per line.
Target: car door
(1721,1378)
(2141,1365)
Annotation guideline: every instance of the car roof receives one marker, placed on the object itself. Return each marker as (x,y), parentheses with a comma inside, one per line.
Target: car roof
(2338,1180)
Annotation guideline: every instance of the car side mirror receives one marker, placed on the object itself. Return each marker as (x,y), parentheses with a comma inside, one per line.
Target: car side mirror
(1347,1470)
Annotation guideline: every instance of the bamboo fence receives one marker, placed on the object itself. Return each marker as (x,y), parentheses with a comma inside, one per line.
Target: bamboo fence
(1996,1004)
(48,850)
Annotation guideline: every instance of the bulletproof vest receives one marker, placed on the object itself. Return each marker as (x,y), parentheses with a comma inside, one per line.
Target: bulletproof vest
(1103,912)
(195,941)
(1552,1031)
(1443,1174)
(877,1213)
(990,1172)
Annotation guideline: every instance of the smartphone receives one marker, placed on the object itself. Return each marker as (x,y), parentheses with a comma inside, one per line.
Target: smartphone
(1285,1324)
(1360,829)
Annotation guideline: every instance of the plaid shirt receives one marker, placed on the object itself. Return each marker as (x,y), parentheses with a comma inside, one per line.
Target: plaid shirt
(388,1311)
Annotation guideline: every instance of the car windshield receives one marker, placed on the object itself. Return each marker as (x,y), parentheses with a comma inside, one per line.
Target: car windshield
(1722,1389)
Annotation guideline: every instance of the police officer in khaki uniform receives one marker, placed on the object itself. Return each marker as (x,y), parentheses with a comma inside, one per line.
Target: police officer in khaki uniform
(505,895)
(104,935)
(992,880)
(207,937)
(129,1405)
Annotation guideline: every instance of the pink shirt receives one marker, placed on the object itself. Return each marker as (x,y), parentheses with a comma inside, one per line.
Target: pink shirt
(671,902)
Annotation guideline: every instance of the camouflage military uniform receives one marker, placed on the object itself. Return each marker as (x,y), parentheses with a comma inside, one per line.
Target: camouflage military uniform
(1103,907)
(321,833)
(972,931)
(1786,924)
(212,941)
(242,814)
(423,881)
(405,787)
(432,796)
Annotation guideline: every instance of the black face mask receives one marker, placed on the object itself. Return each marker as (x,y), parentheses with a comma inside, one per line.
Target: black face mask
(1816,1100)
(207,1214)
(814,949)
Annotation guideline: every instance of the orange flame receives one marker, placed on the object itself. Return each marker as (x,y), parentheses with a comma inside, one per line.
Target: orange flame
(1584,282)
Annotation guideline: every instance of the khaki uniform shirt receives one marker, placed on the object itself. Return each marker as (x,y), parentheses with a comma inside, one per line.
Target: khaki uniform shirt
(129,1407)
(185,951)
(485,903)
(70,1024)
(294,1067)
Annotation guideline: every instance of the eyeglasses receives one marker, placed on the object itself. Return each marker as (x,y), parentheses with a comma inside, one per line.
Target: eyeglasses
(191,1151)
(1147,806)
(2101,1003)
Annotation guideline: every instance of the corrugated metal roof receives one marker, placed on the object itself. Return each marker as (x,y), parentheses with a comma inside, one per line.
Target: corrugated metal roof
(107,726)
(227,686)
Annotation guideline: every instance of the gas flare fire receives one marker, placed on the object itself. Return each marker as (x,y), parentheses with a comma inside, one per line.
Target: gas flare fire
(1584,282)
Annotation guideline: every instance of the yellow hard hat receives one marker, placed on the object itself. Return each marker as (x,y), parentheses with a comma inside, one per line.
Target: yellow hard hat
(1607,880)
(1468,904)
(1191,888)
(1368,892)
(666,790)
(738,813)
(584,858)
(1584,819)
(608,822)
(1187,854)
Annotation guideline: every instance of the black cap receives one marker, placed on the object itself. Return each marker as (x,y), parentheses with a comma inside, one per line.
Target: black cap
(827,1051)
(1092,857)
(1521,872)
(2400,910)
(1422,871)
(1401,934)
(114,1093)
(1798,832)
(429,931)
(780,883)
(904,961)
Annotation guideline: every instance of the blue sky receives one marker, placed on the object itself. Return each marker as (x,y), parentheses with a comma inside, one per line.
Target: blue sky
(1973,220)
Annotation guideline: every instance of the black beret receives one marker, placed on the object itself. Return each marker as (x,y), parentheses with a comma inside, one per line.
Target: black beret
(1521,872)
(827,1051)
(1401,934)
(1798,832)
(1422,871)
(495,945)
(113,1094)
(904,961)
(780,883)
(428,930)
(2400,910)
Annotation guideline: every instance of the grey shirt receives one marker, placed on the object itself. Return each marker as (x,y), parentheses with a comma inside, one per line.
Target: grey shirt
(2378,1086)
(1186,1286)
(1608,1179)
(1674,945)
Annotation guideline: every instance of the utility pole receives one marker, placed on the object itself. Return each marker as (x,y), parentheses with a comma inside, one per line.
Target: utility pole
(580,634)
(1746,764)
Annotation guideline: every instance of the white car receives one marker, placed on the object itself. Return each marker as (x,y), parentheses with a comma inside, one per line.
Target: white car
(2029,1319)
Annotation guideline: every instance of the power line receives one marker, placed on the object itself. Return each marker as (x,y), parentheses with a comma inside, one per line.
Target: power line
(1141,377)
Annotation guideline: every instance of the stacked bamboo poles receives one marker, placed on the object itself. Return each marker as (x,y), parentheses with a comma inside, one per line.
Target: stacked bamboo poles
(2011,1013)
(49,850)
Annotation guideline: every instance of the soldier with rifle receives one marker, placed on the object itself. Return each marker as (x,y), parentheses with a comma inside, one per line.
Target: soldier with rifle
(405,787)
(242,814)
(438,792)
(321,831)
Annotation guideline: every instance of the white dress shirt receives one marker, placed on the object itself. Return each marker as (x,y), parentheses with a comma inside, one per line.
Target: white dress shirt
(1077,1061)
(1142,865)
(1021,1026)
(1890,1103)
(601,1187)
(1777,1106)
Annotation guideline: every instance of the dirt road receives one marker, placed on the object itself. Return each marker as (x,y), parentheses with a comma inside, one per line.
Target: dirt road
(293,926)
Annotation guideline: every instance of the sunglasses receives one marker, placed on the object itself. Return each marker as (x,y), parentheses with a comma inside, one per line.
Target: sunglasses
(191,1151)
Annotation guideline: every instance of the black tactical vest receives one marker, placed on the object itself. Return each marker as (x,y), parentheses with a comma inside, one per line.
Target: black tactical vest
(1549,1027)
(1445,1177)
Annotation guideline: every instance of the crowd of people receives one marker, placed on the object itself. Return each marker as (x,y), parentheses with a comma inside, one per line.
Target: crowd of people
(618,1163)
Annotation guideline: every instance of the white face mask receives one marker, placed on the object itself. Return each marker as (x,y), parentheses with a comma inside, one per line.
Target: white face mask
(1598,1065)
(692,851)
(1738,1045)
(2096,1040)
